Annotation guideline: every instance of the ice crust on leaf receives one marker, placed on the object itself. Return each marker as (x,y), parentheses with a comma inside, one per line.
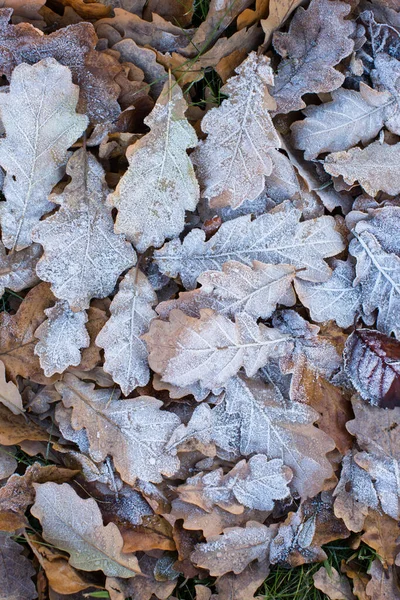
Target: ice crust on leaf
(160,184)
(233,161)
(124,350)
(92,256)
(40,127)
(134,432)
(61,337)
(276,237)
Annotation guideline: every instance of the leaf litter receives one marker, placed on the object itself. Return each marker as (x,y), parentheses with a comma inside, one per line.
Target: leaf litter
(200,281)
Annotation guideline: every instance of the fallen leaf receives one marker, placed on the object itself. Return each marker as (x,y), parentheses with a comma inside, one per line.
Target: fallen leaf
(381,533)
(319,37)
(92,256)
(141,586)
(383,584)
(160,184)
(9,393)
(278,12)
(16,571)
(334,585)
(18,269)
(233,161)
(34,150)
(8,463)
(87,10)
(244,585)
(75,526)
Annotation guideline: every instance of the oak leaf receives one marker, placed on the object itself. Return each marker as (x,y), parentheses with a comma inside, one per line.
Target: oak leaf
(211,349)
(380,533)
(235,549)
(8,463)
(255,290)
(160,183)
(278,13)
(17,269)
(75,526)
(60,338)
(319,37)
(16,571)
(92,256)
(134,432)
(360,165)
(383,584)
(17,335)
(276,237)
(233,161)
(333,584)
(144,586)
(124,350)
(244,585)
(9,393)
(34,151)
(371,361)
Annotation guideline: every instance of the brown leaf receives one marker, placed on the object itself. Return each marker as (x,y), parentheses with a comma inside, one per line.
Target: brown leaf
(177,12)
(141,587)
(244,585)
(381,533)
(249,17)
(18,493)
(155,533)
(74,47)
(318,39)
(90,357)
(334,585)
(384,583)
(359,579)
(15,428)
(278,12)
(87,10)
(17,335)
(15,571)
(9,394)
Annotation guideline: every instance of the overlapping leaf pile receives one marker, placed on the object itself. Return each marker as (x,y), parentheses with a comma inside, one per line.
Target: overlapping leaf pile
(200,328)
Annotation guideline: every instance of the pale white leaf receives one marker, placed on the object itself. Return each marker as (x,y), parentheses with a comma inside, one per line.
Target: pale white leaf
(124,350)
(41,124)
(276,237)
(233,161)
(160,183)
(83,257)
(61,337)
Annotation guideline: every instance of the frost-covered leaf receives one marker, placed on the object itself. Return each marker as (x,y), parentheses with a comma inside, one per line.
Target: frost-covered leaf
(372,361)
(318,39)
(255,290)
(76,526)
(134,432)
(350,117)
(160,183)
(235,549)
(233,161)
(9,393)
(336,299)
(354,494)
(17,269)
(333,584)
(16,571)
(131,312)
(253,418)
(40,127)
(210,350)
(73,47)
(277,237)
(378,433)
(374,167)
(293,542)
(61,337)
(378,273)
(91,257)
(255,484)
(8,463)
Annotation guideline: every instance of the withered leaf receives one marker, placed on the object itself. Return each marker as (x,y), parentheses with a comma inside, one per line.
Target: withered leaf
(210,350)
(134,432)
(14,428)
(253,418)
(131,312)
(276,237)
(141,586)
(354,494)
(8,463)
(235,549)
(383,584)
(9,393)
(74,47)
(17,269)
(92,256)
(335,299)
(278,12)
(17,334)
(16,571)
(255,484)
(255,290)
(60,338)
(34,151)
(244,585)
(361,165)
(349,118)
(333,584)
(160,183)
(318,39)
(381,534)
(233,161)
(75,526)
(371,360)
